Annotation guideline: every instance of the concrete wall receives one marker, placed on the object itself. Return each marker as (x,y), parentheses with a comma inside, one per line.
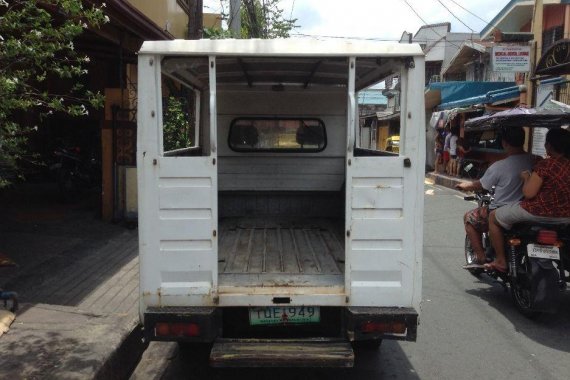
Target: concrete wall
(167,14)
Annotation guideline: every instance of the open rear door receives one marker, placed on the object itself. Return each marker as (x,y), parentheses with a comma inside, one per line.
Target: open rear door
(177,226)
(384,206)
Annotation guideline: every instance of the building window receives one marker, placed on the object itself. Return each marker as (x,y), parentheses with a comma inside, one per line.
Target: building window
(433,70)
(562,92)
(550,36)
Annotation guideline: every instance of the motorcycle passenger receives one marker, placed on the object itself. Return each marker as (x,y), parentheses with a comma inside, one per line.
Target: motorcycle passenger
(546,195)
(504,176)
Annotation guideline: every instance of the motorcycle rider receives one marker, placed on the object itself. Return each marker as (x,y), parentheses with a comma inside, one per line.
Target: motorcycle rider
(546,196)
(504,176)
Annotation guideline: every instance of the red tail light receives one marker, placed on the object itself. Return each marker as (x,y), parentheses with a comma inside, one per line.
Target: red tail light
(384,327)
(547,237)
(176,329)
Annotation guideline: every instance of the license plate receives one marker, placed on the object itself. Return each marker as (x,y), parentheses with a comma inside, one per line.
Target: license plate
(283,315)
(543,252)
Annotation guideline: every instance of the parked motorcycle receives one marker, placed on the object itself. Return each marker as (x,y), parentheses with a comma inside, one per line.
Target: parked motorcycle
(537,255)
(74,173)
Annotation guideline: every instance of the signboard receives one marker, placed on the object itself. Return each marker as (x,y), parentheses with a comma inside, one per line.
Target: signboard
(544,93)
(515,59)
(538,140)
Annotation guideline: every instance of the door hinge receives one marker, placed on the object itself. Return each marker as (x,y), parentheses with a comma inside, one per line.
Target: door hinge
(407,163)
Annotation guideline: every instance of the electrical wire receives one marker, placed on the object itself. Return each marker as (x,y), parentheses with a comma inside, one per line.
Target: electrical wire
(468,11)
(447,43)
(426,24)
(453,14)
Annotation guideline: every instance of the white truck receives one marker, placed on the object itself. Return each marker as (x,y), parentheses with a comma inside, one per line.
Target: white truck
(269,233)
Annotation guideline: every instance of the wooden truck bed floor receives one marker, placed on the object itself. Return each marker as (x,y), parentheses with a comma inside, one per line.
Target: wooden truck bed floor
(281,252)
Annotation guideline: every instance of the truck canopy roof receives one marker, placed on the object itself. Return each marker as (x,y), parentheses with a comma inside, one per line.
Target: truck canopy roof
(298,47)
(281,62)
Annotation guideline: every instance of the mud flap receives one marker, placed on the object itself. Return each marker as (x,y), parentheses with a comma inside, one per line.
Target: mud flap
(545,290)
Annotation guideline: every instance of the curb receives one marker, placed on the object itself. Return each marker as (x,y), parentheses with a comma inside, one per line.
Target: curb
(125,357)
(443,180)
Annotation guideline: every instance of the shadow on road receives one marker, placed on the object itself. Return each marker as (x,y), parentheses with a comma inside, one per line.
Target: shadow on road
(551,330)
(388,362)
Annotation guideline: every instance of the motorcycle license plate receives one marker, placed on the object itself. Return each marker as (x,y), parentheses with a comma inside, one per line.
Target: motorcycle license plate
(543,252)
(279,315)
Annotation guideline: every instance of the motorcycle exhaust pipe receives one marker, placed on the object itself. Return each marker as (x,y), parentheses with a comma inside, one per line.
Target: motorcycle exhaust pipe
(513,244)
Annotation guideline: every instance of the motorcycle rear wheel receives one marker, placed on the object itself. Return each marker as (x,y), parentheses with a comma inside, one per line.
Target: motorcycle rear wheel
(471,258)
(521,289)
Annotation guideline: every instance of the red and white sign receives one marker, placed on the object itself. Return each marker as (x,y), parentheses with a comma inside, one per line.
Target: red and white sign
(513,59)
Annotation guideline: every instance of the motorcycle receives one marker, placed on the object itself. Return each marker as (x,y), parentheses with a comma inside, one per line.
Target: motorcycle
(73,173)
(537,257)
(483,199)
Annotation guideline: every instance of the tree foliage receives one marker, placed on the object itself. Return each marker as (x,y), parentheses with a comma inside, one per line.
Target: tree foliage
(259,19)
(176,124)
(36,47)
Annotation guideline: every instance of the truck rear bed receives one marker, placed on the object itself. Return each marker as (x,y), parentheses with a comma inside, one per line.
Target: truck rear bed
(278,251)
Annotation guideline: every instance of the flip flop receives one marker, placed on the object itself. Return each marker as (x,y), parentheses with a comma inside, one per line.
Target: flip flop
(494,267)
(474,266)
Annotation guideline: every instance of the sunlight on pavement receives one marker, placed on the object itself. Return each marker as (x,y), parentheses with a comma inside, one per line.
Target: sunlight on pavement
(430,192)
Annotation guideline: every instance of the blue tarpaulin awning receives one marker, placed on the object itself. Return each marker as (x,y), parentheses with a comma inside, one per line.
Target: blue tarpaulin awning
(462,94)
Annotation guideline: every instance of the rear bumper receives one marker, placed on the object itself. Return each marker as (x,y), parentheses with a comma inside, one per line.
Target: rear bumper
(207,318)
(382,320)
(352,324)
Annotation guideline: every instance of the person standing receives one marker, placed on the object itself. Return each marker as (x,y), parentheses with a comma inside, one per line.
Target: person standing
(453,151)
(438,165)
(462,150)
(447,137)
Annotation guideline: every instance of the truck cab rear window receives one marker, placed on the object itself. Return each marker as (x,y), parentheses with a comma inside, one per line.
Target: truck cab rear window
(277,135)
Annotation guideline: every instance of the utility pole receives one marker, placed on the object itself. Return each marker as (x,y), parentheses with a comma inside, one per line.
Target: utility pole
(536,28)
(235,18)
(195,19)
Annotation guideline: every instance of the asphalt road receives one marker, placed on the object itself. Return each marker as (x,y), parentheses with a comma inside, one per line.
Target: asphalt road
(469,328)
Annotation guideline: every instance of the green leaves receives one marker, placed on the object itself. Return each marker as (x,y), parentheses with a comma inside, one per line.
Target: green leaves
(176,127)
(36,44)
(259,19)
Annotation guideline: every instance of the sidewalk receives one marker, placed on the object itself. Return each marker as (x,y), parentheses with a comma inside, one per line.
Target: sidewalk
(77,281)
(445,180)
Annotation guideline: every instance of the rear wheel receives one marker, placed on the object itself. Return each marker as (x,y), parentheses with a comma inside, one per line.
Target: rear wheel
(521,288)
(471,258)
